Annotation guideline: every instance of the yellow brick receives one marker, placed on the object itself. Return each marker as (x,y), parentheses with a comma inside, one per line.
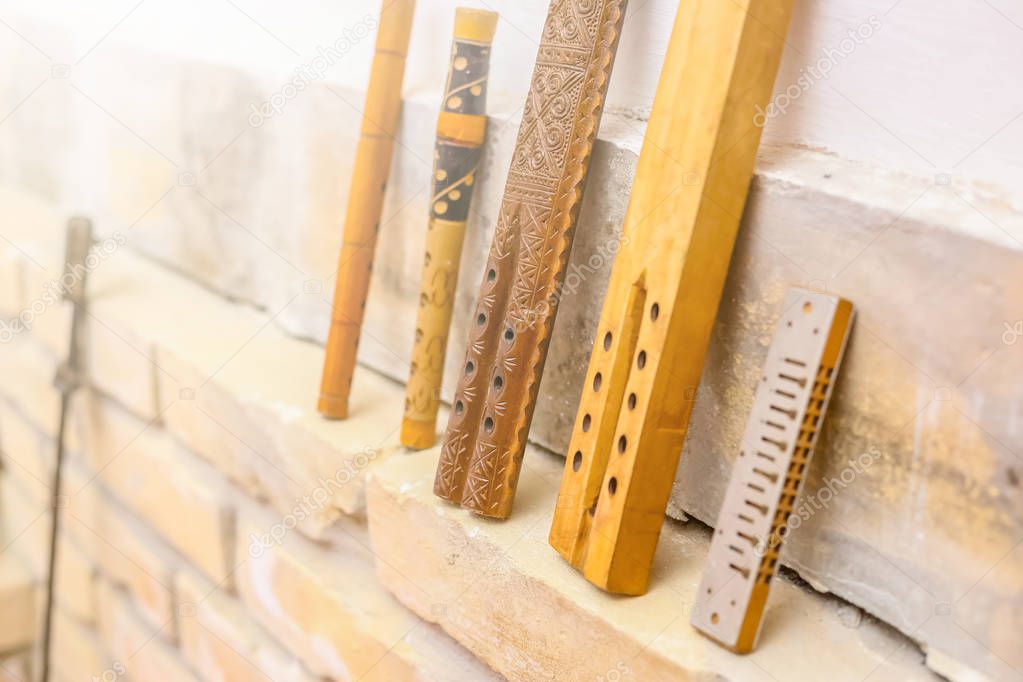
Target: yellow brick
(174,492)
(328,608)
(76,580)
(25,523)
(220,640)
(77,652)
(18,603)
(135,643)
(16,668)
(127,553)
(28,370)
(26,452)
(12,283)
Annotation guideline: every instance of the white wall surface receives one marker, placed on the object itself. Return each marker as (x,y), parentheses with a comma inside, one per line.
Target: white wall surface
(933,89)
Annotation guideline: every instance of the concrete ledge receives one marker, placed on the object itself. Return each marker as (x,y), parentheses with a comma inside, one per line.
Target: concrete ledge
(500,590)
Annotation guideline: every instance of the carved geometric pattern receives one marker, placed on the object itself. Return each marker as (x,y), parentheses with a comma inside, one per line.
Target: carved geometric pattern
(517,303)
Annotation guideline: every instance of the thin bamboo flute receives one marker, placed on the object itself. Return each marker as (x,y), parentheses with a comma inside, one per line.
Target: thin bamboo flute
(518,300)
(365,203)
(461,129)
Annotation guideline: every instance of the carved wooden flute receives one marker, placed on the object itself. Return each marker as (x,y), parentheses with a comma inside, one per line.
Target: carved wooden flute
(365,202)
(690,189)
(461,129)
(518,300)
(788,414)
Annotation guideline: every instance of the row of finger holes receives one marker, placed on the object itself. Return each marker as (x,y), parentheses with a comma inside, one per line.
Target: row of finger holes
(623,442)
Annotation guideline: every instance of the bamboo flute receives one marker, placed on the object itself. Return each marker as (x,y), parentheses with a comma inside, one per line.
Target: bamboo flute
(518,299)
(691,185)
(461,129)
(365,203)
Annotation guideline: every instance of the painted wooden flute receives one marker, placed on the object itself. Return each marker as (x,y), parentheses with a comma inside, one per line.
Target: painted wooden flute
(689,193)
(461,128)
(365,203)
(518,300)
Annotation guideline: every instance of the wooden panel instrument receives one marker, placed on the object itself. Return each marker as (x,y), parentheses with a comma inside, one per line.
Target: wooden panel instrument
(518,300)
(689,193)
(787,416)
(461,129)
(365,203)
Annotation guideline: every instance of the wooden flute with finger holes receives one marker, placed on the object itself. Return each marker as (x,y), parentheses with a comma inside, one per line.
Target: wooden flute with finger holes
(518,298)
(365,203)
(461,128)
(691,184)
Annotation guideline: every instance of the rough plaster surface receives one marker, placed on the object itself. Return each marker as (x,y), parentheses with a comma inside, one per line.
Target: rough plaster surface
(926,538)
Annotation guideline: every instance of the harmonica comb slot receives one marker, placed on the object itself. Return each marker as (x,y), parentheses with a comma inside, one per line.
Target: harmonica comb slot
(814,328)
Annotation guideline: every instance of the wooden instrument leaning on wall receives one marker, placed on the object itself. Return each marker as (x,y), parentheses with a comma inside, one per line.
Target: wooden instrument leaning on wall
(688,196)
(518,300)
(365,203)
(787,417)
(461,129)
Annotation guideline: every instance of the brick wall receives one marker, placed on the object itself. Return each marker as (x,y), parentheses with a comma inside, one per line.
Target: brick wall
(215,528)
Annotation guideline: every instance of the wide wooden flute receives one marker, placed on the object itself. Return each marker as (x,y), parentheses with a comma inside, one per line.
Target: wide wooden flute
(461,128)
(365,203)
(518,299)
(688,196)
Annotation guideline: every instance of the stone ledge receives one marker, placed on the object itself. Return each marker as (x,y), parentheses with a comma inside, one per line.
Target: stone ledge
(499,589)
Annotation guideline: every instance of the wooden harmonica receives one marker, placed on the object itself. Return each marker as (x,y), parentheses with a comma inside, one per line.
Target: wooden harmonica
(365,203)
(518,299)
(689,193)
(787,416)
(461,129)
